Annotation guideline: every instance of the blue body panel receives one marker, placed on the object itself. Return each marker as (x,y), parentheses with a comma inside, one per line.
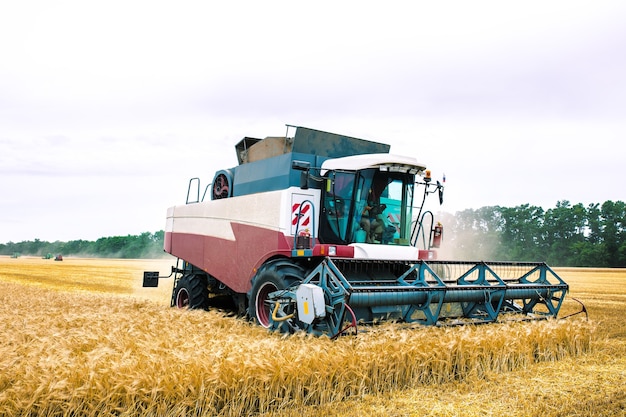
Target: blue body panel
(269,174)
(309,145)
(331,145)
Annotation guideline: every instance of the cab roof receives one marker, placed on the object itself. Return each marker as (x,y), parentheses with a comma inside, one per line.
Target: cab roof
(382,161)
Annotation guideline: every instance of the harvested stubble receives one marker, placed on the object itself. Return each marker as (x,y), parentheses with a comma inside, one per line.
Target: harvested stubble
(69,353)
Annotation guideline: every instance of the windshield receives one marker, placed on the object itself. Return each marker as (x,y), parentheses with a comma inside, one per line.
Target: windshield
(368,206)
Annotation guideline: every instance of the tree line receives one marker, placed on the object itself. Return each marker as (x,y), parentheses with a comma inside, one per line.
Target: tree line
(144,246)
(566,235)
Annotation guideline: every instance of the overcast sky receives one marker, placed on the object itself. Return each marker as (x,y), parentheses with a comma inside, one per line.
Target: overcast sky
(108,108)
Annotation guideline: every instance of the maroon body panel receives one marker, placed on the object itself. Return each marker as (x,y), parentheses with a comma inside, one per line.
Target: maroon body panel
(234,262)
(231,262)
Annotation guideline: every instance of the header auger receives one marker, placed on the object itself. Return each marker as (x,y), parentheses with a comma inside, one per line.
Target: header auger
(317,232)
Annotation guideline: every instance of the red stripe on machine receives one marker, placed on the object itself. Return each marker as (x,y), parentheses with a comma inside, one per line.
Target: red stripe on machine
(304,214)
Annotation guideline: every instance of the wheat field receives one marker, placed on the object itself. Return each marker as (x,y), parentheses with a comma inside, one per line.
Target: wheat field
(81,337)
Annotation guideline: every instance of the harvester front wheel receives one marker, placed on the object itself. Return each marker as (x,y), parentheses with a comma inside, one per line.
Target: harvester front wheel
(192,292)
(275,276)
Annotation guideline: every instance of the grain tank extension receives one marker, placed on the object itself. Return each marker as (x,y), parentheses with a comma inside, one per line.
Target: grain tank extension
(316,231)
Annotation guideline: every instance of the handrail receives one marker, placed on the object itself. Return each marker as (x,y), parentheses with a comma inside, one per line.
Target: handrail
(298,216)
(195,179)
(418,228)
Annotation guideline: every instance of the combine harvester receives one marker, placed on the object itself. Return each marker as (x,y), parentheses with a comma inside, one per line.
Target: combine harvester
(318,232)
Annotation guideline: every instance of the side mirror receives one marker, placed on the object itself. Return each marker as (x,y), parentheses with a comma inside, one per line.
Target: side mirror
(440,189)
(304,175)
(304,180)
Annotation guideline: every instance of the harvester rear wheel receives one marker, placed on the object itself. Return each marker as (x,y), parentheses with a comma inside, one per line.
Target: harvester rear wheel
(274,276)
(192,292)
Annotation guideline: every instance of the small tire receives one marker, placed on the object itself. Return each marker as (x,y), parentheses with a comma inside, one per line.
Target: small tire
(191,292)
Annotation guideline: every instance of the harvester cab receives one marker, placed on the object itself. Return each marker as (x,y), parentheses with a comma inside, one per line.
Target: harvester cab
(313,231)
(367,205)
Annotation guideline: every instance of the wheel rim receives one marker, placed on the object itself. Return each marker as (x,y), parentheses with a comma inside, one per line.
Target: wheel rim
(262,308)
(182,298)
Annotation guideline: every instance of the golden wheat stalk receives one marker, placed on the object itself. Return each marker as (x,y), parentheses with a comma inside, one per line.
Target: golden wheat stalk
(72,353)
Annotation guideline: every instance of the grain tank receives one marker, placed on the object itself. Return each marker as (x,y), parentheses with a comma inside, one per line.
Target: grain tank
(318,231)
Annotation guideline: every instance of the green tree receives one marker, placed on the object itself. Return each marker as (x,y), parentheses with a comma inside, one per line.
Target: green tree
(522,233)
(613,233)
(563,227)
(594,224)
(588,254)
(75,247)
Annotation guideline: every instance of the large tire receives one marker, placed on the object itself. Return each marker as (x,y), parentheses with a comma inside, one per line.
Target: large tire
(273,276)
(191,292)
